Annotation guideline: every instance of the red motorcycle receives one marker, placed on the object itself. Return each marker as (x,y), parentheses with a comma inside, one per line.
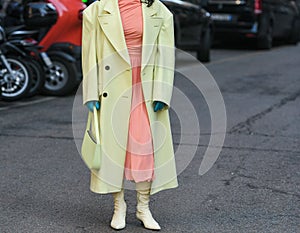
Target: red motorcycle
(59,23)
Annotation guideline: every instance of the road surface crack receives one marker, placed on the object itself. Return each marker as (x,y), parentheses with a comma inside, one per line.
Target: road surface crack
(253,149)
(245,126)
(274,190)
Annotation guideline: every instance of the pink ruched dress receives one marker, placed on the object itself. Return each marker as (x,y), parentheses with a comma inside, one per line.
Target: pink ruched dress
(139,162)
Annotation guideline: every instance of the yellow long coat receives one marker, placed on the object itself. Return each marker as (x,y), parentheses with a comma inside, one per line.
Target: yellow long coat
(107,78)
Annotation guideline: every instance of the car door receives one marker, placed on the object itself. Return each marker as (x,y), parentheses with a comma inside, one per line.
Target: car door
(283,17)
(192,25)
(187,22)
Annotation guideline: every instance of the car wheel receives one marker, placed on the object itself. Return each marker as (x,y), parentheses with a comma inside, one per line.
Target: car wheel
(266,41)
(203,54)
(295,33)
(60,78)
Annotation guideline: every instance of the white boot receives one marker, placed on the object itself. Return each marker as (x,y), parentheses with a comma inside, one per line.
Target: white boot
(118,219)
(143,213)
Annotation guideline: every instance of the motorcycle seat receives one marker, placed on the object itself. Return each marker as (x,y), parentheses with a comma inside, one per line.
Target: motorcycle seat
(19,32)
(9,30)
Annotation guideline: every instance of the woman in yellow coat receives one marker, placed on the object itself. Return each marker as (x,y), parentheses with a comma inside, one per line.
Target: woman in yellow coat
(128,71)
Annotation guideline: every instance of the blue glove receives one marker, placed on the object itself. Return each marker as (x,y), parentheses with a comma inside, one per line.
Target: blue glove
(158,106)
(90,105)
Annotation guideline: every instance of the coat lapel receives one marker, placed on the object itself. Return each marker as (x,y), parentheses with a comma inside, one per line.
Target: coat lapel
(152,24)
(111,24)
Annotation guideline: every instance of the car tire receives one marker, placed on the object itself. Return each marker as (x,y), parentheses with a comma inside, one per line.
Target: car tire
(295,33)
(266,40)
(61,78)
(203,54)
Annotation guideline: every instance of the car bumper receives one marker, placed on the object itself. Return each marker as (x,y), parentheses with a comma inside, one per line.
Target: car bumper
(243,29)
(240,25)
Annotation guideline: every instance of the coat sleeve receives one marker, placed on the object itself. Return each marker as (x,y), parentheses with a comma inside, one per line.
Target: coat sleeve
(89,60)
(164,62)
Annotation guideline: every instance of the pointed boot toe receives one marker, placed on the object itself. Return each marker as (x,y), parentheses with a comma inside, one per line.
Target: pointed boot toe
(148,221)
(118,225)
(118,221)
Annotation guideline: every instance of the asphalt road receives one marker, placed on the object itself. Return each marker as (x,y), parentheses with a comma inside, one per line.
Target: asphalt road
(253,187)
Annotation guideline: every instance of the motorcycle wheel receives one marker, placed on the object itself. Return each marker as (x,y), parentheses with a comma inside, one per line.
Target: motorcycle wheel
(37,78)
(61,78)
(16,86)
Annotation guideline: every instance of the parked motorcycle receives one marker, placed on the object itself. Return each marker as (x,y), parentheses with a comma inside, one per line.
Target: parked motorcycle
(29,49)
(15,81)
(59,24)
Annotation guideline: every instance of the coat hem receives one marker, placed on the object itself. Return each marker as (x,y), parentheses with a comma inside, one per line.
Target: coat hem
(104,192)
(154,191)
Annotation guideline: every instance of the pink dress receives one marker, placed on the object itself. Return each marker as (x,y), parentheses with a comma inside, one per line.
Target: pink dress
(139,162)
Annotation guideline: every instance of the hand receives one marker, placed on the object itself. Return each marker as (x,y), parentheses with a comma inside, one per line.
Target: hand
(158,106)
(90,105)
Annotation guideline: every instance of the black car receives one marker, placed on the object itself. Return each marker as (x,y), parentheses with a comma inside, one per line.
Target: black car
(263,20)
(193,27)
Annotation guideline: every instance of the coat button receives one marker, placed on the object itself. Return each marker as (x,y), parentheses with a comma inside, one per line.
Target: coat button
(104,94)
(107,67)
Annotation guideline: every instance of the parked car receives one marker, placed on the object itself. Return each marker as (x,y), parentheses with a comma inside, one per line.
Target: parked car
(263,20)
(193,27)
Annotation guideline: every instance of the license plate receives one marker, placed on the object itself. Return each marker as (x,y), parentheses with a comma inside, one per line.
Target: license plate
(221,17)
